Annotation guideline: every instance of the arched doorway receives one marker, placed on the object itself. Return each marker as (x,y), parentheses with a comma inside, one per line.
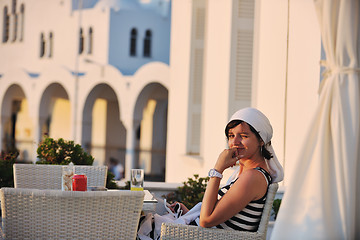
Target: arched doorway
(151,109)
(103,134)
(18,128)
(55,113)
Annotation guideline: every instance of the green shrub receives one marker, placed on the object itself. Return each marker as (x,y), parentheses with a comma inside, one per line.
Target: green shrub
(7,160)
(62,152)
(110,181)
(276,207)
(191,192)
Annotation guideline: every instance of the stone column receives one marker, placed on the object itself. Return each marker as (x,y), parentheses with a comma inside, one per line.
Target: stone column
(130,154)
(37,135)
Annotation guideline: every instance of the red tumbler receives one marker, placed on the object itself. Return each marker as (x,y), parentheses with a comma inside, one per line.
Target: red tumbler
(79,182)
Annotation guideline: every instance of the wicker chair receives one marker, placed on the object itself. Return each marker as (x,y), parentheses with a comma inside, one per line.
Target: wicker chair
(96,175)
(179,231)
(42,176)
(56,214)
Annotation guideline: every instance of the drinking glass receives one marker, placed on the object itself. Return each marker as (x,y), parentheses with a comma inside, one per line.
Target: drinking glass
(137,180)
(66,178)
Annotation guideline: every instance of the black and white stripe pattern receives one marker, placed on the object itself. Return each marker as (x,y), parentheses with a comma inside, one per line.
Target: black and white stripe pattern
(247,219)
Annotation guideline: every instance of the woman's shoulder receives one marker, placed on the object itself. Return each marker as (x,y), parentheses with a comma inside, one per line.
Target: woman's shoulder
(249,182)
(250,177)
(254,171)
(265,173)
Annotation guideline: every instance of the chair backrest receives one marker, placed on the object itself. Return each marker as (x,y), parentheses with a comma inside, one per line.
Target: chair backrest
(39,176)
(96,175)
(267,208)
(56,214)
(44,176)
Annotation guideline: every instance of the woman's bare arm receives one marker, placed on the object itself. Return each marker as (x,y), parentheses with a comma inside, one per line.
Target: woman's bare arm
(250,185)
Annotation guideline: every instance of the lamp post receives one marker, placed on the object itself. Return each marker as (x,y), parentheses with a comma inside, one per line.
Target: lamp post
(77,76)
(102,66)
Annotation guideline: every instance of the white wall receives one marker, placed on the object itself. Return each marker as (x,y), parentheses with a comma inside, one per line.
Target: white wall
(179,94)
(288,72)
(303,78)
(217,76)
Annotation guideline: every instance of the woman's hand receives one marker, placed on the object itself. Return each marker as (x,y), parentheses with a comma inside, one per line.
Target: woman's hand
(226,159)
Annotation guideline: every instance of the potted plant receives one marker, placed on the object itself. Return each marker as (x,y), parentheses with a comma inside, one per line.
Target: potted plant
(62,152)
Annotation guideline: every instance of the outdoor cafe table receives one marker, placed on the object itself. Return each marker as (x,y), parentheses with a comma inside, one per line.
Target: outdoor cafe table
(150,202)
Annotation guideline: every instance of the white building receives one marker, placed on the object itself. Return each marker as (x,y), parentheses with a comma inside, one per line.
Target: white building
(153,83)
(262,53)
(91,71)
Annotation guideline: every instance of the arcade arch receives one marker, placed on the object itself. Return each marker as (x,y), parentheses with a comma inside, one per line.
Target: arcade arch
(17,125)
(151,131)
(103,134)
(55,113)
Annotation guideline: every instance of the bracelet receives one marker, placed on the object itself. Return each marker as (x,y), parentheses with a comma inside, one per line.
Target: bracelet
(214,173)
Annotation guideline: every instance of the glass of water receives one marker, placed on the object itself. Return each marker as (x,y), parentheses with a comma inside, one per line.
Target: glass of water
(137,180)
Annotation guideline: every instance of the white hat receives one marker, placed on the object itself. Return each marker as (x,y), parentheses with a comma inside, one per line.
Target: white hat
(262,125)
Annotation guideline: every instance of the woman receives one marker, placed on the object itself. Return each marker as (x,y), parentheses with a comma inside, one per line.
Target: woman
(239,204)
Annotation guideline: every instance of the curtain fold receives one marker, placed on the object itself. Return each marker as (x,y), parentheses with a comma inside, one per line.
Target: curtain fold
(321,199)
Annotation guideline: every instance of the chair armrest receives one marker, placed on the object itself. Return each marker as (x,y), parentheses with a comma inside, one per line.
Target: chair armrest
(180,231)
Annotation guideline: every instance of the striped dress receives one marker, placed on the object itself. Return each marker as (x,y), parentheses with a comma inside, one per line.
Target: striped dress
(247,219)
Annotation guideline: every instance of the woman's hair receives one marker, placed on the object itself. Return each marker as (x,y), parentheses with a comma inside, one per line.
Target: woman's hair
(264,152)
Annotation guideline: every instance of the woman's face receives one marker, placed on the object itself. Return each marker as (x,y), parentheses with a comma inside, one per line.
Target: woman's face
(244,140)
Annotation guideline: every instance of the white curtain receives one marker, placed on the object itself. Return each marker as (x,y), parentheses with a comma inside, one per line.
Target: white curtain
(322,198)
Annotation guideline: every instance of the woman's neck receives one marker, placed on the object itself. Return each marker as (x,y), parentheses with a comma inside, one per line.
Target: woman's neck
(252,163)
